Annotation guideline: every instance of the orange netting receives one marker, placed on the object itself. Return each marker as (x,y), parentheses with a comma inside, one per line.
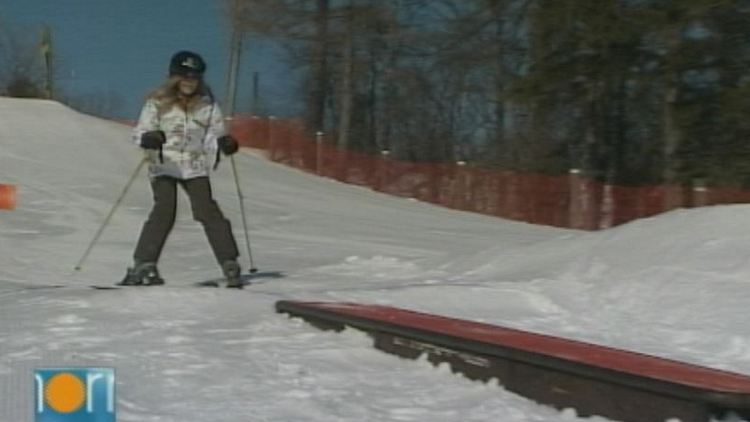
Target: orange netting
(565,201)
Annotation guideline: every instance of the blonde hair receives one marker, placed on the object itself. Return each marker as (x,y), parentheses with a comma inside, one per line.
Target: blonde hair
(168,95)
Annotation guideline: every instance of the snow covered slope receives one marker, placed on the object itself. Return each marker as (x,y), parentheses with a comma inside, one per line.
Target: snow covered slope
(674,285)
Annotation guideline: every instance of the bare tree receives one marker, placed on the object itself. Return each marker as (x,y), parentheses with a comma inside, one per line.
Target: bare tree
(302,27)
(21,67)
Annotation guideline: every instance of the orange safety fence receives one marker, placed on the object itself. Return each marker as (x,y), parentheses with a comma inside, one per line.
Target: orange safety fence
(571,200)
(7,197)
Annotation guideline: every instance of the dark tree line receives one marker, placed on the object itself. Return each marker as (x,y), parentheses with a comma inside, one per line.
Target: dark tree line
(628,91)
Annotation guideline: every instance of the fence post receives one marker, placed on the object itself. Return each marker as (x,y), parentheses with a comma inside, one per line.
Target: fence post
(514,207)
(435,182)
(581,206)
(607,213)
(253,133)
(461,185)
(382,172)
(319,153)
(700,193)
(674,197)
(271,142)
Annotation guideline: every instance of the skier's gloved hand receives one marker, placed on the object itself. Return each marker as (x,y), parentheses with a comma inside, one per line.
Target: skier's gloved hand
(228,145)
(153,139)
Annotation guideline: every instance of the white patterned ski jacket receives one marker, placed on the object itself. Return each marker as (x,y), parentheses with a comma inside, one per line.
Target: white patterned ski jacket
(190,149)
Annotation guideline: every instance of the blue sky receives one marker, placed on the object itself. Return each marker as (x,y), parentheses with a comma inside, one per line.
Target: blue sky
(125,46)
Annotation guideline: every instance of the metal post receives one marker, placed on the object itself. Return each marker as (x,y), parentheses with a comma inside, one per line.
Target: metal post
(46,50)
(234,65)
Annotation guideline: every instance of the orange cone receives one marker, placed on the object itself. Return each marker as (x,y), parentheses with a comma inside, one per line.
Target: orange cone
(7,197)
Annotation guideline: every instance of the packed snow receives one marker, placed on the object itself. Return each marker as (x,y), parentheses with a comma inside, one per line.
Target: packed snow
(675,285)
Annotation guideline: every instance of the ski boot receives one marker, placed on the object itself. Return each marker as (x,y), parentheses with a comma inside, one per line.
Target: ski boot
(232,273)
(142,274)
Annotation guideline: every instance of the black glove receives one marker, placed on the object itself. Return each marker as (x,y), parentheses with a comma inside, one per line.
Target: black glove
(153,139)
(228,145)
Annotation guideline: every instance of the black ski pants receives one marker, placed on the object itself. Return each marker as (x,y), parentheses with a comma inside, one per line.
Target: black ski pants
(205,210)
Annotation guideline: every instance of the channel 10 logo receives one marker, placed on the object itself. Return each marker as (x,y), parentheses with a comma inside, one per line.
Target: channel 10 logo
(75,395)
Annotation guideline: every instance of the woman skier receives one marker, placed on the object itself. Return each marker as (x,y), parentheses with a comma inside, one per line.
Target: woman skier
(181,130)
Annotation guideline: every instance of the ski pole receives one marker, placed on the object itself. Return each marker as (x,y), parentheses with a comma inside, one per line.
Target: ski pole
(109,216)
(242,211)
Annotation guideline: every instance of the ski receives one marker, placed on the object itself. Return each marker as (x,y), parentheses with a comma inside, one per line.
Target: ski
(214,282)
(247,280)
(218,282)
(100,287)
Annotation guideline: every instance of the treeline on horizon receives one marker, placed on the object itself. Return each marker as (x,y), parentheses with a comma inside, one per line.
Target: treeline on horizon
(627,91)
(30,68)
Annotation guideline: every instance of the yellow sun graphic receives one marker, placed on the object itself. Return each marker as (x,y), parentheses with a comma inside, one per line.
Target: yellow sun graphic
(65,393)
